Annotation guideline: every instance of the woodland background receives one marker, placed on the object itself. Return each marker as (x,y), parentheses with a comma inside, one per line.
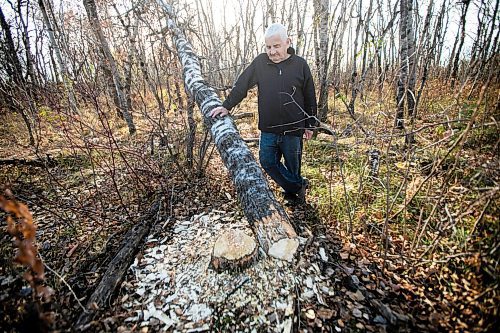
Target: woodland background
(94,120)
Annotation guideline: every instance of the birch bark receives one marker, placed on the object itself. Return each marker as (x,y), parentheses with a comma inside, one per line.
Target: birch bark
(321,16)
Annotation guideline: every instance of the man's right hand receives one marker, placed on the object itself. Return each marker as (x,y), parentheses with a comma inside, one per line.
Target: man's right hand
(219,111)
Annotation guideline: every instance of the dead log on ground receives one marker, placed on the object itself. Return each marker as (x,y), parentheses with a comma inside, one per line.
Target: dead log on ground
(113,276)
(270,222)
(40,162)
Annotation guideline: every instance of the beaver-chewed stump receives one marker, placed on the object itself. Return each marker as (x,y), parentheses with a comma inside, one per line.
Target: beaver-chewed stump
(234,250)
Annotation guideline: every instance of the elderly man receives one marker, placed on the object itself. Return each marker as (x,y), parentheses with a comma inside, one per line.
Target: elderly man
(287,109)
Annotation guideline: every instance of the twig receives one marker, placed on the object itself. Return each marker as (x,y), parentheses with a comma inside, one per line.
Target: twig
(240,284)
(479,219)
(320,125)
(458,143)
(64,281)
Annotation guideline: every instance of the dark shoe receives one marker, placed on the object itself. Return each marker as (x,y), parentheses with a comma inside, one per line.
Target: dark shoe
(301,195)
(290,198)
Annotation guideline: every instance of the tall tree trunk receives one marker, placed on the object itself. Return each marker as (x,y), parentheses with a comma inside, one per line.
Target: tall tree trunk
(354,73)
(410,35)
(321,18)
(269,220)
(441,43)
(407,70)
(90,8)
(16,76)
(479,34)
(425,46)
(436,56)
(403,66)
(53,66)
(454,72)
(140,60)
(62,64)
(30,73)
(489,48)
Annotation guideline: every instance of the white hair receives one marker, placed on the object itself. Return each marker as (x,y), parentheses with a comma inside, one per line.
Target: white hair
(276,29)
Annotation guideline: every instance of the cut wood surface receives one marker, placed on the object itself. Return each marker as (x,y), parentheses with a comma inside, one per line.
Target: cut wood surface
(233,250)
(270,223)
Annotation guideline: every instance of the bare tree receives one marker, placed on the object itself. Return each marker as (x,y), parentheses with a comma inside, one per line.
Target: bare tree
(91,10)
(24,22)
(321,18)
(15,75)
(67,81)
(455,58)
(406,78)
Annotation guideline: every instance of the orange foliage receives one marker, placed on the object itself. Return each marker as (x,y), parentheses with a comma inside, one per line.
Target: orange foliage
(20,225)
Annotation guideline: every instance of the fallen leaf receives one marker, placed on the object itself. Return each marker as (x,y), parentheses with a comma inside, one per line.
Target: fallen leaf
(325,313)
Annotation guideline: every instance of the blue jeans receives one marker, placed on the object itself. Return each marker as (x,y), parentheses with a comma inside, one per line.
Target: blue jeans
(275,146)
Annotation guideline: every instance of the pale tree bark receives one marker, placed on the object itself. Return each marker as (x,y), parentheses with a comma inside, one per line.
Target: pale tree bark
(270,13)
(91,10)
(403,69)
(406,80)
(321,18)
(270,222)
(62,64)
(354,72)
(366,23)
(410,33)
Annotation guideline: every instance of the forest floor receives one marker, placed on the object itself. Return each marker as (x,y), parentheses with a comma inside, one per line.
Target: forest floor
(350,276)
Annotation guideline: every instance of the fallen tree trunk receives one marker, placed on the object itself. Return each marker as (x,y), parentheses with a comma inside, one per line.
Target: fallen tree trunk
(270,222)
(31,162)
(118,266)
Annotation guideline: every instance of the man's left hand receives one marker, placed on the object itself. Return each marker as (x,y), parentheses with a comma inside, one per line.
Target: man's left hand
(308,134)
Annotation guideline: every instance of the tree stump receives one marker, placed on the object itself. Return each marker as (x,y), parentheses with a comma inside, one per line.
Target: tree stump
(233,250)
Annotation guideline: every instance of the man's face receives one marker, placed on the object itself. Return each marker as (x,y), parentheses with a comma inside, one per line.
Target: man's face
(276,48)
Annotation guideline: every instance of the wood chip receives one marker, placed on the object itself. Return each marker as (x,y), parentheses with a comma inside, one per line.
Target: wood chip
(310,314)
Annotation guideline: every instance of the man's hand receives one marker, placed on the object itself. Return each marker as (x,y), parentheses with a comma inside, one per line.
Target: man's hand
(219,111)
(308,134)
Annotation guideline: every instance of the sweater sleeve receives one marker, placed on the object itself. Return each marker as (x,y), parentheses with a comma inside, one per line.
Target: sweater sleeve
(310,104)
(245,82)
